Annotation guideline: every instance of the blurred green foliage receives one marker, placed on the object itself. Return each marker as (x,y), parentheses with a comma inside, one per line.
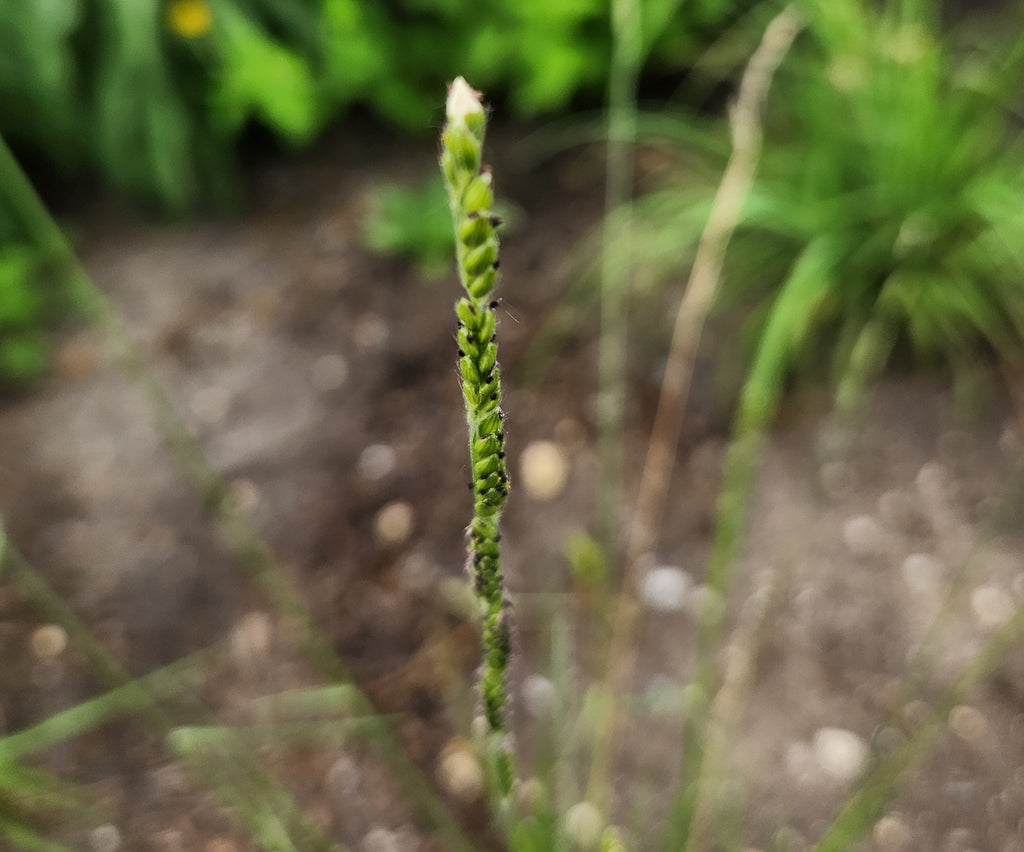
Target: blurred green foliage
(886,214)
(412,222)
(153,96)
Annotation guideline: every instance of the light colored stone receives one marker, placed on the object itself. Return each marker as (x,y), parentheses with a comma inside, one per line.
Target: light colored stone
(992,607)
(251,638)
(460,773)
(840,753)
(393,524)
(371,332)
(105,838)
(210,405)
(543,470)
(380,839)
(864,536)
(344,779)
(584,824)
(922,572)
(892,833)
(968,723)
(539,695)
(664,589)
(49,641)
(246,494)
(376,462)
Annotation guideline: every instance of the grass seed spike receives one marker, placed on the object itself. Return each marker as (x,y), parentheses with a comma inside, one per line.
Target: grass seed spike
(471,199)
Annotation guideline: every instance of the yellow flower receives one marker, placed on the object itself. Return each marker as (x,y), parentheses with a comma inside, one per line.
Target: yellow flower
(189,18)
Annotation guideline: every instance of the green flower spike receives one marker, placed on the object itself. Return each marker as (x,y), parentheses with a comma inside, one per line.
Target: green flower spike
(471,198)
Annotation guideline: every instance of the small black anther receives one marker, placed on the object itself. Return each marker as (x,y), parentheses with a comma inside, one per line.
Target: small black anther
(495,221)
(501,436)
(470,338)
(494,304)
(469,485)
(494,337)
(494,397)
(497,264)
(501,455)
(461,354)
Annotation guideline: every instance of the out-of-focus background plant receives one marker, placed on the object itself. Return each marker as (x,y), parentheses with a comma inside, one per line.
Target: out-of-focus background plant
(152,98)
(885,219)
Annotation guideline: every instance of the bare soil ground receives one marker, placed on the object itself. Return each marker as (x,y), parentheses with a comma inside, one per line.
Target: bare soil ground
(319,379)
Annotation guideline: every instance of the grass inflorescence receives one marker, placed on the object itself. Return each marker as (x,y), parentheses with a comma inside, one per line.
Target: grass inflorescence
(471,199)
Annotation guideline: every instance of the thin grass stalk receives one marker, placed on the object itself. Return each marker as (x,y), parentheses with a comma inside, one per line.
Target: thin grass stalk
(234,526)
(862,808)
(134,698)
(627,56)
(690,318)
(471,199)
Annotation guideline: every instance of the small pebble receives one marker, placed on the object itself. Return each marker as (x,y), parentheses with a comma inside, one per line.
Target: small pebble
(664,588)
(922,572)
(539,695)
(892,834)
(886,740)
(864,536)
(376,462)
(393,524)
(328,373)
(584,824)
(246,494)
(840,753)
(105,838)
(344,779)
(250,639)
(460,773)
(210,405)
(380,839)
(543,470)
(968,723)
(49,641)
(531,794)
(992,607)
(370,332)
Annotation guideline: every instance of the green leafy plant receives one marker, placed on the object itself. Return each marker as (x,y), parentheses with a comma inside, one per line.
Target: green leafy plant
(411,222)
